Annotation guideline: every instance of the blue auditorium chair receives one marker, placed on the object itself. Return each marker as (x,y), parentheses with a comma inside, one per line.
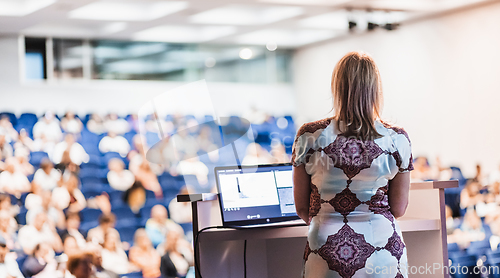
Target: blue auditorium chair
(130,136)
(37,157)
(468,261)
(86,226)
(95,162)
(27,119)
(21,216)
(91,192)
(110,155)
(90,214)
(132,275)
(91,148)
(123,212)
(91,180)
(127,234)
(116,198)
(207,118)
(128,222)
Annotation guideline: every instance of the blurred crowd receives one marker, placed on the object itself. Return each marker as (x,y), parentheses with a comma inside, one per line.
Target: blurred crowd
(78,198)
(472,209)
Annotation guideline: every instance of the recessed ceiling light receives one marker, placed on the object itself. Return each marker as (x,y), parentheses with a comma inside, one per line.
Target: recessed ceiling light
(183,33)
(286,37)
(246,15)
(271,46)
(127,11)
(22,7)
(246,54)
(114,27)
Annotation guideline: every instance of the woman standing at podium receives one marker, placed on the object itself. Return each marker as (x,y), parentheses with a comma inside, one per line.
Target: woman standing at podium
(351,180)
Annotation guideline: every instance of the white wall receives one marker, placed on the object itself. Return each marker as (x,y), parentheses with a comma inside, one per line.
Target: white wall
(125,97)
(441,81)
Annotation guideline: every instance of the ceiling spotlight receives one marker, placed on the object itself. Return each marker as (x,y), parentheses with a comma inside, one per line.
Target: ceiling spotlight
(372,26)
(352,25)
(391,26)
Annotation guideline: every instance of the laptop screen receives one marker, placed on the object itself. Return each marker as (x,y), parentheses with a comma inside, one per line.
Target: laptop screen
(260,194)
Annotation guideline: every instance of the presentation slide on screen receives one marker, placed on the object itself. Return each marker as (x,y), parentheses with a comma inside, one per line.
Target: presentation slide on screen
(249,190)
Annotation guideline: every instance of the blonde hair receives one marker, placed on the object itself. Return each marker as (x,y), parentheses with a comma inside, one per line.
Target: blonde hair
(357,95)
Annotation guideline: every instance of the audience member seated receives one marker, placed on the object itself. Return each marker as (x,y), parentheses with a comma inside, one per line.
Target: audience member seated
(134,122)
(471,230)
(96,124)
(12,180)
(118,177)
(143,173)
(70,246)
(114,124)
(144,256)
(185,145)
(113,257)
(8,265)
(140,147)
(41,263)
(47,178)
(177,251)
(38,230)
(42,199)
(487,205)
(106,226)
(71,124)
(180,212)
(5,148)
(69,151)
(114,143)
(6,205)
(470,195)
(99,270)
(159,225)
(255,155)
(24,141)
(135,197)
(69,196)
(193,166)
(423,170)
(21,155)
(278,152)
(153,123)
(72,229)
(47,132)
(7,231)
(7,129)
(80,265)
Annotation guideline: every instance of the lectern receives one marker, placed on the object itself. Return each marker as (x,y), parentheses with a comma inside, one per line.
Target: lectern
(278,252)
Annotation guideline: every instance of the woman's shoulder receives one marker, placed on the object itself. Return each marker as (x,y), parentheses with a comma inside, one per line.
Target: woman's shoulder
(312,127)
(394,130)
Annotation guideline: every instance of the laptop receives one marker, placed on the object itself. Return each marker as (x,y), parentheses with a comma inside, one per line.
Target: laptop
(256,196)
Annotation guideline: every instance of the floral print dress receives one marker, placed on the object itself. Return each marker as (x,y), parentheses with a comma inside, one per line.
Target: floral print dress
(352,232)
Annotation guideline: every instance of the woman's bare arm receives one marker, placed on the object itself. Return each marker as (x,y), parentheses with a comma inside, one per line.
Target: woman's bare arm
(399,189)
(301,191)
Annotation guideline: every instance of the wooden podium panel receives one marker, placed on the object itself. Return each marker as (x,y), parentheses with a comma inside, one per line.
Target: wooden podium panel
(276,252)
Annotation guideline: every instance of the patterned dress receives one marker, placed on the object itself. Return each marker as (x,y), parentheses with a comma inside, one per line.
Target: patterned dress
(352,232)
